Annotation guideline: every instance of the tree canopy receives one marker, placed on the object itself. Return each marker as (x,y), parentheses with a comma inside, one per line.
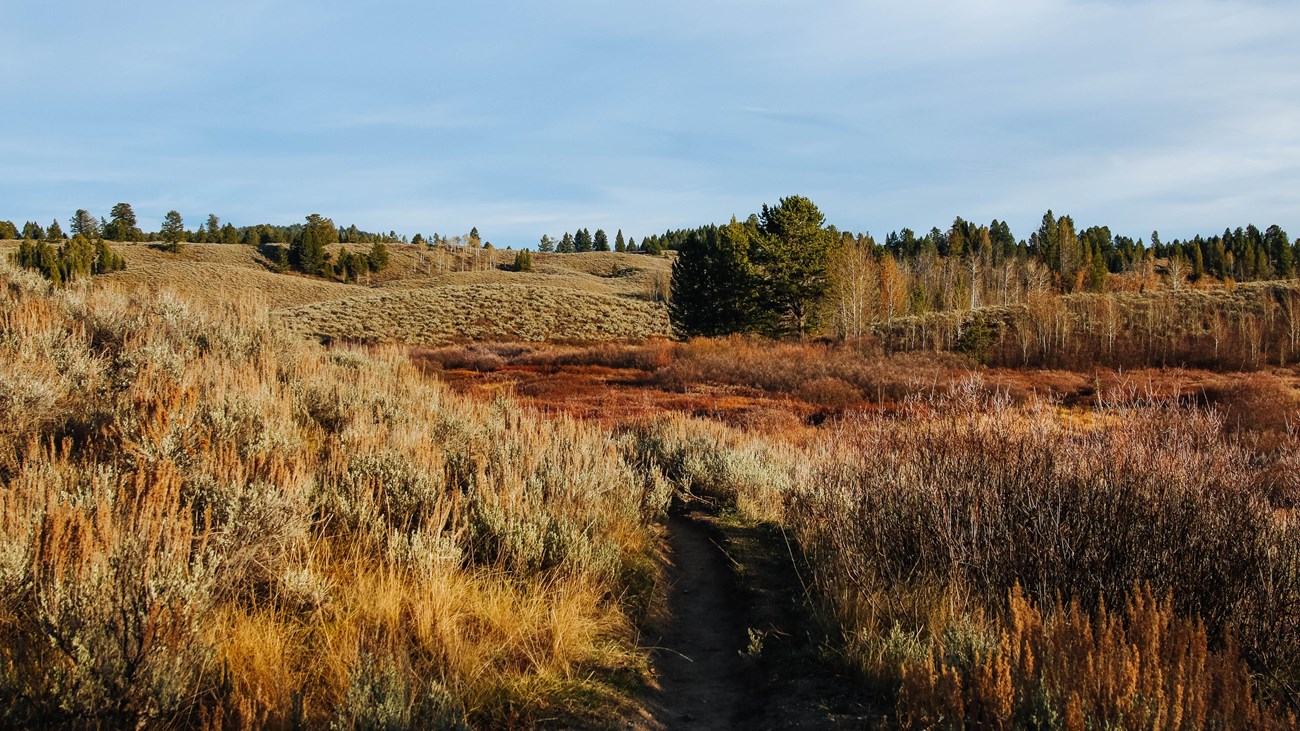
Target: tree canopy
(173,231)
(122,224)
(307,253)
(766,275)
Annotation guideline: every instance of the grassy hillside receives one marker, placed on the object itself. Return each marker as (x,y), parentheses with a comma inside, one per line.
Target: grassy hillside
(424,296)
(497,311)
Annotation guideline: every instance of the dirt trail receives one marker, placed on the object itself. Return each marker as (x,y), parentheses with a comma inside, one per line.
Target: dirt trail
(701,673)
(738,647)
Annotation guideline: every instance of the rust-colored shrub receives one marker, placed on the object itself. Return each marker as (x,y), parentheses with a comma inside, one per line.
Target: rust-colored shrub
(1142,667)
(828,391)
(1261,403)
(929,515)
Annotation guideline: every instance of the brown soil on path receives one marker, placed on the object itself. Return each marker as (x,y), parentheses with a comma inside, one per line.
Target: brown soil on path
(737,647)
(698,665)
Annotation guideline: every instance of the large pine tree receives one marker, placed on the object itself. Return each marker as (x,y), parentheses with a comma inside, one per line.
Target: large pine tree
(173,231)
(122,226)
(714,287)
(792,248)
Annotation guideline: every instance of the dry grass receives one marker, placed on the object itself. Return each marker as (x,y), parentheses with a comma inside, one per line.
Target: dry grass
(917,522)
(916,525)
(205,521)
(480,312)
(425,296)
(1144,668)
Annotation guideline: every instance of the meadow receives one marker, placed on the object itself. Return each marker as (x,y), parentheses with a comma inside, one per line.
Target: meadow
(434,512)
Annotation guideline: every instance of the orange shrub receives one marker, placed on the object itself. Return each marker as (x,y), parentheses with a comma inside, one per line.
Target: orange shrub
(1144,668)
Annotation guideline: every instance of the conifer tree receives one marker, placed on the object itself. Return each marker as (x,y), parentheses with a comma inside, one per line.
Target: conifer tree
(172,231)
(85,224)
(54,232)
(601,242)
(619,243)
(792,248)
(1279,251)
(40,256)
(77,258)
(378,257)
(546,245)
(714,286)
(122,224)
(307,253)
(523,261)
(567,244)
(107,260)
(582,241)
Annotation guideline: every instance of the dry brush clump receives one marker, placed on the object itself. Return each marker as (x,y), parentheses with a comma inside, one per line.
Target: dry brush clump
(1140,668)
(826,373)
(703,459)
(204,521)
(918,524)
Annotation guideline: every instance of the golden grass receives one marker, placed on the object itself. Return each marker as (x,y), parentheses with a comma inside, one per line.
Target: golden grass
(461,313)
(1140,668)
(205,521)
(425,296)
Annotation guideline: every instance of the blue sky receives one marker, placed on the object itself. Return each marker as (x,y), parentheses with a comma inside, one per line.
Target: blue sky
(524,119)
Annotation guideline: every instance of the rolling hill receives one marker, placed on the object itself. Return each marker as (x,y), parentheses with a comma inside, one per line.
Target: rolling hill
(425,296)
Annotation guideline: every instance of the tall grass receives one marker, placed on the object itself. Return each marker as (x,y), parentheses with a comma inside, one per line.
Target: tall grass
(967,551)
(204,521)
(918,525)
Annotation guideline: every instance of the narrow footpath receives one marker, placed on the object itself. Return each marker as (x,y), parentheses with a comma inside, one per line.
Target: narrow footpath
(739,648)
(697,660)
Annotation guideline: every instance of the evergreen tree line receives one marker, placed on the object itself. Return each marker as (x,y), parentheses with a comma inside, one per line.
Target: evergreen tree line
(582,241)
(1079,260)
(74,258)
(729,279)
(307,254)
(123,226)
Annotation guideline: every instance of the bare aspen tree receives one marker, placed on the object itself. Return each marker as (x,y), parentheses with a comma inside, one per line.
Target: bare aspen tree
(854,285)
(1177,271)
(893,287)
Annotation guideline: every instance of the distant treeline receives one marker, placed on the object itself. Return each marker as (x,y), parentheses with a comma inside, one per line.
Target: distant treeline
(122,225)
(784,271)
(1220,328)
(300,247)
(1078,259)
